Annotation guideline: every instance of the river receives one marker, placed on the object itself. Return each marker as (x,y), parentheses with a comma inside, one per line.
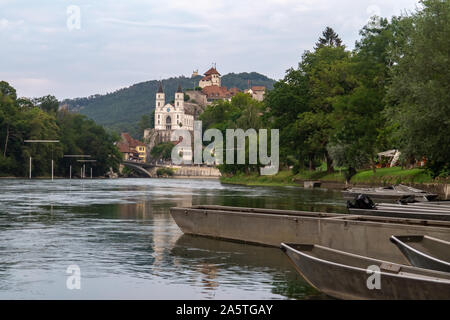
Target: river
(120,235)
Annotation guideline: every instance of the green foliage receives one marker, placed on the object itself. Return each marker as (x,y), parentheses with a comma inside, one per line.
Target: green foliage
(241,80)
(47,103)
(419,92)
(165,172)
(147,121)
(330,38)
(342,107)
(162,151)
(80,135)
(121,111)
(21,120)
(241,112)
(384,176)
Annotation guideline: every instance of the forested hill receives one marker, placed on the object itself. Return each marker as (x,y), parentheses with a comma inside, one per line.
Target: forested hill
(121,110)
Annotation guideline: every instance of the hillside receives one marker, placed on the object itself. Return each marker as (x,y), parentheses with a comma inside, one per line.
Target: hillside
(121,110)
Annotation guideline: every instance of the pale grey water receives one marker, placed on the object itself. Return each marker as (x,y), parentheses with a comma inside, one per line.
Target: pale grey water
(121,235)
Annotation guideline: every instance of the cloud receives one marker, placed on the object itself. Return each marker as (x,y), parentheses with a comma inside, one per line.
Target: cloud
(7,24)
(183,26)
(122,42)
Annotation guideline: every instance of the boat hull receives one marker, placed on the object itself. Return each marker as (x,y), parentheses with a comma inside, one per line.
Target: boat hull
(351,282)
(409,214)
(368,236)
(424,252)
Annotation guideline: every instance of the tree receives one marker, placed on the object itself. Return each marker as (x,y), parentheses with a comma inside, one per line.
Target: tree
(7,90)
(419,93)
(47,103)
(358,123)
(20,119)
(146,122)
(285,102)
(8,112)
(329,77)
(162,151)
(330,39)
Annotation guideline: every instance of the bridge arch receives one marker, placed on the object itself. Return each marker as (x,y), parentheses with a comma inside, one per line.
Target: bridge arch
(138,168)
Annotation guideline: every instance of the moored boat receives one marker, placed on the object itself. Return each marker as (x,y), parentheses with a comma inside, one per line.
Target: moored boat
(363,235)
(391,193)
(348,276)
(402,211)
(424,251)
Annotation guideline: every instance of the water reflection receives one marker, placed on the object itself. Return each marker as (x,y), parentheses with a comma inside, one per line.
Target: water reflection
(227,263)
(127,245)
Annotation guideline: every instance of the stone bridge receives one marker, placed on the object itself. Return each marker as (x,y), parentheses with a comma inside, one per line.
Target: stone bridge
(145,168)
(149,170)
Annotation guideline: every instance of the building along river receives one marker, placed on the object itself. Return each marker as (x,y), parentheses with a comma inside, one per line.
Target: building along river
(121,236)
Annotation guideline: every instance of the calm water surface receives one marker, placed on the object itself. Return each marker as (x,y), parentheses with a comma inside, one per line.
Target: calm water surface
(121,235)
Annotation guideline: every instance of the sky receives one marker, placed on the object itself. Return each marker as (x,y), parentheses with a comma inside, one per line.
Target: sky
(76,48)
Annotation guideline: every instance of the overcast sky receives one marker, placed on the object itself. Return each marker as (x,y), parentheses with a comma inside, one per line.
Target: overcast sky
(122,42)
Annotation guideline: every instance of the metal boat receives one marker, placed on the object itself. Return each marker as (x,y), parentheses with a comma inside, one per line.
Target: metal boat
(425,211)
(363,235)
(425,251)
(390,193)
(348,276)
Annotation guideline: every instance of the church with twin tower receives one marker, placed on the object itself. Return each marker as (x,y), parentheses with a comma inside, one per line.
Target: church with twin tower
(172,116)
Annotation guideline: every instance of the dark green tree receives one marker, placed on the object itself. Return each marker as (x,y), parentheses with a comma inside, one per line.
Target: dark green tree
(47,103)
(329,38)
(146,122)
(419,92)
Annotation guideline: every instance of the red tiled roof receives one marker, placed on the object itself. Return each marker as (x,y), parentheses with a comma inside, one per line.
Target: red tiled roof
(212,71)
(258,88)
(216,92)
(130,142)
(123,147)
(233,91)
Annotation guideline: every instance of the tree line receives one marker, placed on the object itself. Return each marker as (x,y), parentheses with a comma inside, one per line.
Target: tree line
(341,107)
(121,110)
(41,119)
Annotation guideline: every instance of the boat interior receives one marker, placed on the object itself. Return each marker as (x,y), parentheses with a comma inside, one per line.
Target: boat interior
(267,211)
(433,247)
(331,216)
(342,258)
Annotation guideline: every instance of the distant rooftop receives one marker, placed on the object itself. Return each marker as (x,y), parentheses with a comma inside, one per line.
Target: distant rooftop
(211,72)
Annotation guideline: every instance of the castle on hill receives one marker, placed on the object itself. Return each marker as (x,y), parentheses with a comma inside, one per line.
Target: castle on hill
(181,114)
(172,116)
(175,116)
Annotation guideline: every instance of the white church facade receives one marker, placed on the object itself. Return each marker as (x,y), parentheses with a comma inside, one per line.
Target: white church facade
(172,116)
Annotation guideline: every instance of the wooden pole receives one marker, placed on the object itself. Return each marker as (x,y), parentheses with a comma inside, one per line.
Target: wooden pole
(91,172)
(52,169)
(70,172)
(30,167)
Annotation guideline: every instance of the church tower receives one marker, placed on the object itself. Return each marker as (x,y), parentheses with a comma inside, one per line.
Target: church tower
(179,99)
(160,97)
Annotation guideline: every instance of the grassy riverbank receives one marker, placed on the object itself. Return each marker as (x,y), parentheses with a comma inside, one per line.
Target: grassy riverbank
(383,176)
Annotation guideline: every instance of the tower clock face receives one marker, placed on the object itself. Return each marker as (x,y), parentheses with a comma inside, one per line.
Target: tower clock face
(168,109)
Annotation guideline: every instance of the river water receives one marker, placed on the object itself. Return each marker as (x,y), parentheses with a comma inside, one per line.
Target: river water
(120,235)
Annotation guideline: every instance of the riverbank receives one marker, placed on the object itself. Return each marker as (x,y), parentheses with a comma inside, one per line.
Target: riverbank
(382,176)
(366,178)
